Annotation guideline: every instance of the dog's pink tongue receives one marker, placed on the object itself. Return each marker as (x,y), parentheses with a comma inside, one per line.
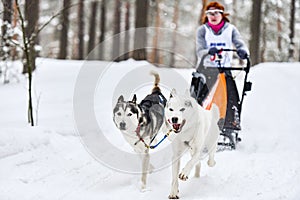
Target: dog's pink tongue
(176,126)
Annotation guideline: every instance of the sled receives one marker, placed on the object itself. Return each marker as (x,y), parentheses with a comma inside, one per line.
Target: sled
(214,83)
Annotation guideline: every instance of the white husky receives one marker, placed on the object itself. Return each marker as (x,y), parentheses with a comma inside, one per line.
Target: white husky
(191,127)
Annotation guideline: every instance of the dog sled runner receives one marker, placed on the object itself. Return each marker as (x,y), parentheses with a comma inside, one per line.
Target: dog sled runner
(212,82)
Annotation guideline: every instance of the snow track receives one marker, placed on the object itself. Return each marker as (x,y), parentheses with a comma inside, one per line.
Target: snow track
(49,162)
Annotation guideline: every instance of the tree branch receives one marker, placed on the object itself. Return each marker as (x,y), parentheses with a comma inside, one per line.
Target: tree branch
(33,36)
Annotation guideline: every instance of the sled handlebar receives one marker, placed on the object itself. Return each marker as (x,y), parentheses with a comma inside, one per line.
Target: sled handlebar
(246,69)
(247,58)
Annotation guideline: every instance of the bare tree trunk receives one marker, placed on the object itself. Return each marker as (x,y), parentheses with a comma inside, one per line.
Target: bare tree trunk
(255,31)
(14,52)
(28,62)
(116,29)
(7,10)
(5,53)
(31,17)
(175,21)
(63,42)
(279,28)
(292,31)
(81,30)
(140,37)
(92,30)
(264,35)
(127,36)
(7,16)
(102,29)
(155,53)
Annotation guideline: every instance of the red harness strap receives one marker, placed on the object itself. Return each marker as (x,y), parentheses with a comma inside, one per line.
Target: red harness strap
(137,131)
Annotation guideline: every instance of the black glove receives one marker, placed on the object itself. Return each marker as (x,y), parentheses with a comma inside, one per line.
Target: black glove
(242,53)
(212,51)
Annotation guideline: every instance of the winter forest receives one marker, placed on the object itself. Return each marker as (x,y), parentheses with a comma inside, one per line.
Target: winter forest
(71,29)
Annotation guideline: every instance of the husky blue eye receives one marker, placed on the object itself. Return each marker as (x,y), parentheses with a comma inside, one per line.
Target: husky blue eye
(182,109)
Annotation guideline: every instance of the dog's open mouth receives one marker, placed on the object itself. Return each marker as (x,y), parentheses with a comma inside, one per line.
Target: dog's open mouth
(176,126)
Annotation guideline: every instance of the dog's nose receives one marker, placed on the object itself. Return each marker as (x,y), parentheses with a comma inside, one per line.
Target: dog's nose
(122,125)
(174,120)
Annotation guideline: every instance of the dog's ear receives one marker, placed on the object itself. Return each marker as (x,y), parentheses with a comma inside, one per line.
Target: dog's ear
(134,99)
(188,103)
(173,93)
(121,99)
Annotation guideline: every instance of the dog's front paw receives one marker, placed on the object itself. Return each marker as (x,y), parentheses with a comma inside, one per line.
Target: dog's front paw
(173,196)
(143,187)
(183,177)
(211,163)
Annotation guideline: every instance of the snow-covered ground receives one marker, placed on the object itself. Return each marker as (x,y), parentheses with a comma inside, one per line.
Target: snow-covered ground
(54,161)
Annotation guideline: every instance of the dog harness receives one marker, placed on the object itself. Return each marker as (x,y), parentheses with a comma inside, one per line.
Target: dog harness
(165,136)
(138,129)
(149,101)
(144,106)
